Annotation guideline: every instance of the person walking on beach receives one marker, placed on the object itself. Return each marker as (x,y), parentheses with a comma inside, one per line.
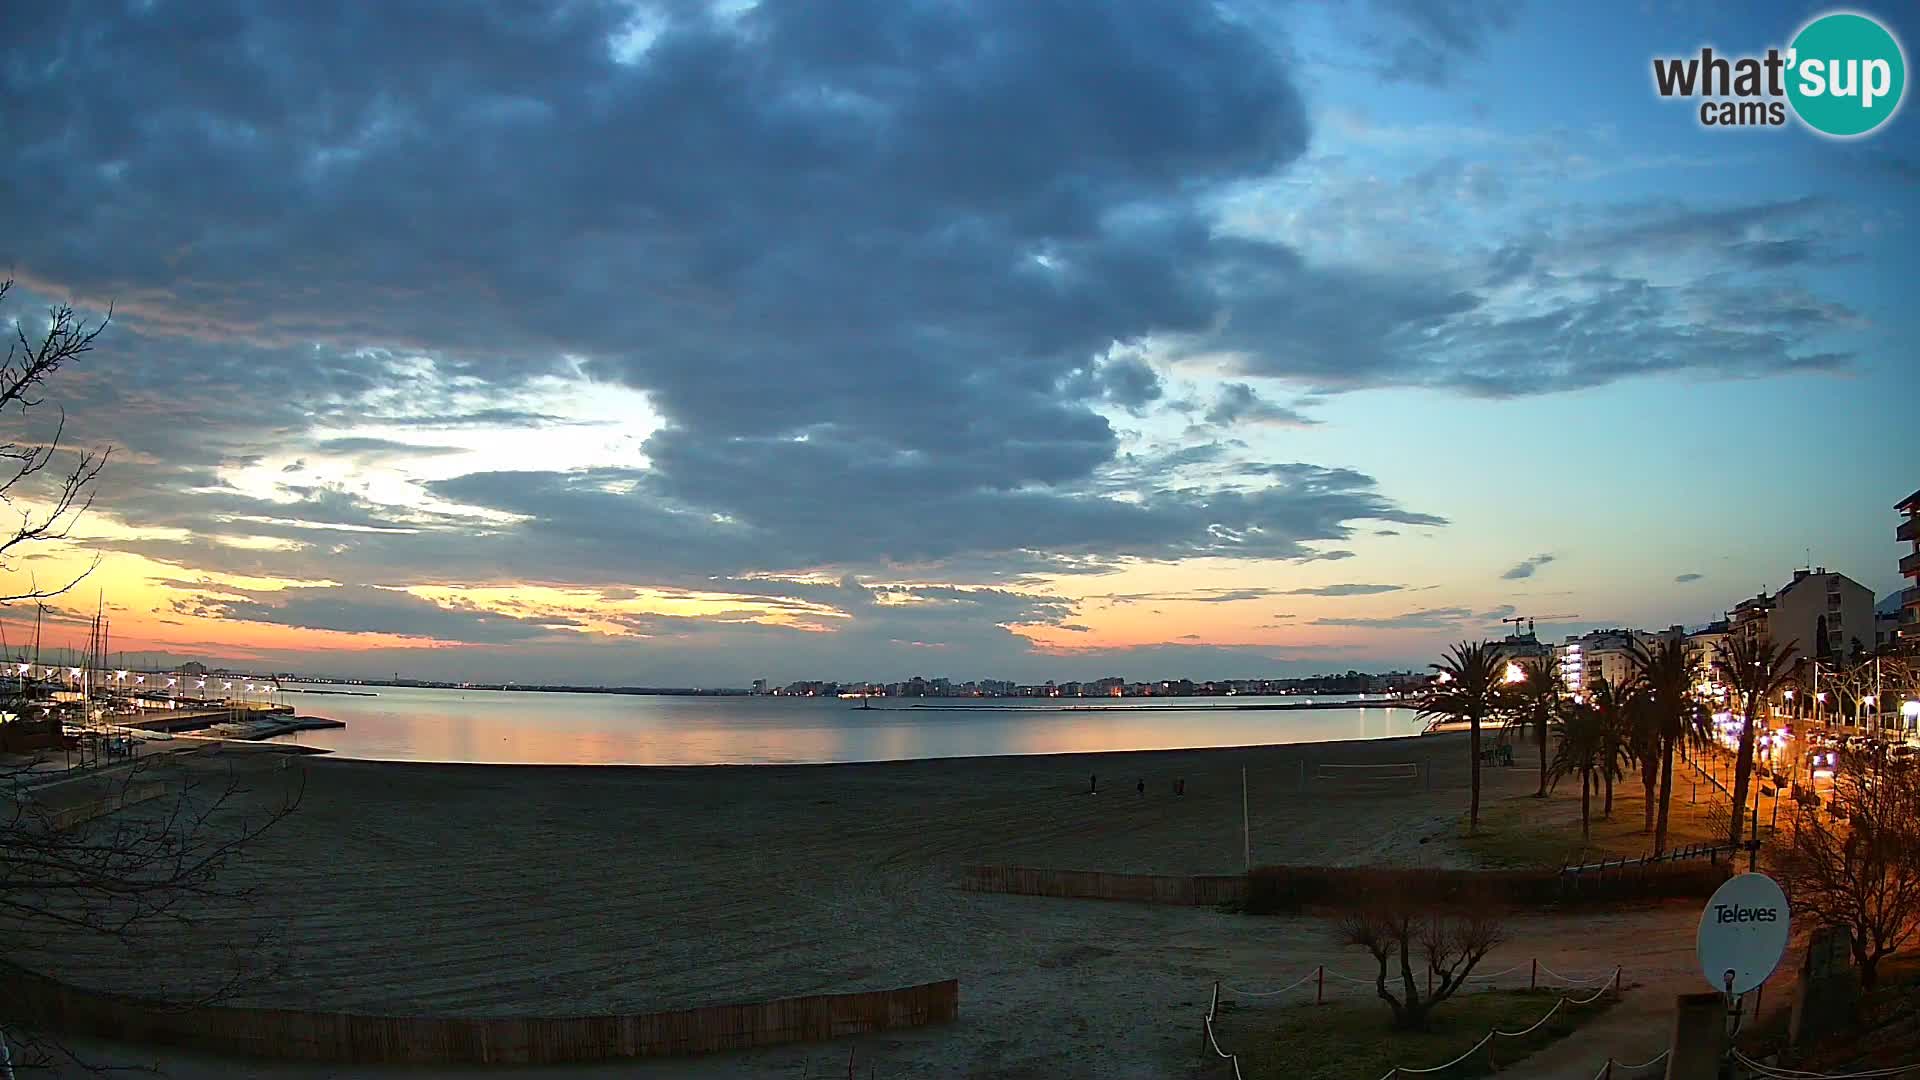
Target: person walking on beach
(1141,787)
(1180,786)
(1093,784)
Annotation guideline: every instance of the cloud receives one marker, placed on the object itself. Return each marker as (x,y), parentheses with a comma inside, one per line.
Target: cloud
(1429,41)
(358,609)
(1344,590)
(885,285)
(1441,618)
(1525,568)
(1683,579)
(1239,403)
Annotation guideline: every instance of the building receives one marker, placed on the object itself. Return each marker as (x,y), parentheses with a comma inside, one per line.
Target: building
(1519,652)
(1886,627)
(1703,645)
(1909,531)
(1822,614)
(1606,655)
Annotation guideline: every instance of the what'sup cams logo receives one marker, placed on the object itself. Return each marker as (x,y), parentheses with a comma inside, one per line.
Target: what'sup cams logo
(1843,76)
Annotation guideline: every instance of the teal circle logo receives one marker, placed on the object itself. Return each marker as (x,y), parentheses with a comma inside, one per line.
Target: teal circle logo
(1847,74)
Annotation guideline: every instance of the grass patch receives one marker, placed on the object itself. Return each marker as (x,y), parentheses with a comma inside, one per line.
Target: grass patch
(1523,832)
(1352,1039)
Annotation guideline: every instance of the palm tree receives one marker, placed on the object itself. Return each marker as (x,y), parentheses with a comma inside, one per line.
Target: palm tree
(1468,689)
(1533,702)
(1752,667)
(1616,737)
(1644,745)
(1581,729)
(1663,677)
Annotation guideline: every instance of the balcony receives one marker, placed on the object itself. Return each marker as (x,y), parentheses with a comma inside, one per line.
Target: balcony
(1909,529)
(1910,566)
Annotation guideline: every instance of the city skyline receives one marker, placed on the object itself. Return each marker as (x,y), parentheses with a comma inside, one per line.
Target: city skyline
(688,346)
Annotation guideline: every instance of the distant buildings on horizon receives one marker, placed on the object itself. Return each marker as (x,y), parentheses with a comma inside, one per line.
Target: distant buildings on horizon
(1352,682)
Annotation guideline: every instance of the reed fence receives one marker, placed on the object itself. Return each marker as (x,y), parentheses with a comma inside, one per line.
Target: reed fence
(37,1001)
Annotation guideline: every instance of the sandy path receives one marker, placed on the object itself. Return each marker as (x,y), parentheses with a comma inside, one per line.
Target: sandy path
(521,890)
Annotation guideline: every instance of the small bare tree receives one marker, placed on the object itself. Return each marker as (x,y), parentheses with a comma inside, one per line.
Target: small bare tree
(48,511)
(1860,870)
(1433,941)
(70,865)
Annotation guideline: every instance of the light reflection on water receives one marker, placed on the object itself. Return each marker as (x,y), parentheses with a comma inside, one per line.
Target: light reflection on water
(409,724)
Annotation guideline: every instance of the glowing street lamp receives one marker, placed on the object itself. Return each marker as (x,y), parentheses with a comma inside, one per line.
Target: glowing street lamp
(1514,673)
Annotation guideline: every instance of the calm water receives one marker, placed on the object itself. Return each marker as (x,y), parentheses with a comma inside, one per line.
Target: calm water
(406,724)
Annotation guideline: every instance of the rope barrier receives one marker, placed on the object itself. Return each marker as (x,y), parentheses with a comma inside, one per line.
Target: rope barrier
(1206,1024)
(1606,1070)
(1583,983)
(1645,1064)
(1568,983)
(1497,974)
(1301,981)
(1401,1070)
(1780,1072)
(1612,982)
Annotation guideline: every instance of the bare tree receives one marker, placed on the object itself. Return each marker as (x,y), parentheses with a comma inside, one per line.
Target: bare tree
(73,862)
(47,510)
(1435,942)
(128,877)
(1860,870)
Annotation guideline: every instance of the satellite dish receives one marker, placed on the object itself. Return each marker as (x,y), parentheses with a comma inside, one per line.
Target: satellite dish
(1743,933)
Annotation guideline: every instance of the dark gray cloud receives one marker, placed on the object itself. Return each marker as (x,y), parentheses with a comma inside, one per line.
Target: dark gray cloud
(1344,590)
(359,609)
(1239,403)
(1441,618)
(1526,568)
(1682,579)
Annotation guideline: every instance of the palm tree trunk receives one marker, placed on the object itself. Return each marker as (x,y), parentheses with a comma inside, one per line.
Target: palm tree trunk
(1742,771)
(1666,798)
(1649,779)
(1606,811)
(1542,793)
(1473,807)
(1586,804)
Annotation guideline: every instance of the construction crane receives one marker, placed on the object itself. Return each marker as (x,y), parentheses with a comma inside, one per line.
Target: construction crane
(1528,619)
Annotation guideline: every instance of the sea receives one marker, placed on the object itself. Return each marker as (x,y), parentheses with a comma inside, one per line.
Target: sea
(493,726)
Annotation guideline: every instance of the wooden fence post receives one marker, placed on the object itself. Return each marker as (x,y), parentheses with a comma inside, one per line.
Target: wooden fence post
(1320,986)
(1533,980)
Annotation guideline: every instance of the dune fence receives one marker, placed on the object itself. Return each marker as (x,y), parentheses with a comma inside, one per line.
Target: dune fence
(1201,891)
(1281,889)
(36,1001)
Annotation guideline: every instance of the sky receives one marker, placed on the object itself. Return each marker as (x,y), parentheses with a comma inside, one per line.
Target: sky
(690,343)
